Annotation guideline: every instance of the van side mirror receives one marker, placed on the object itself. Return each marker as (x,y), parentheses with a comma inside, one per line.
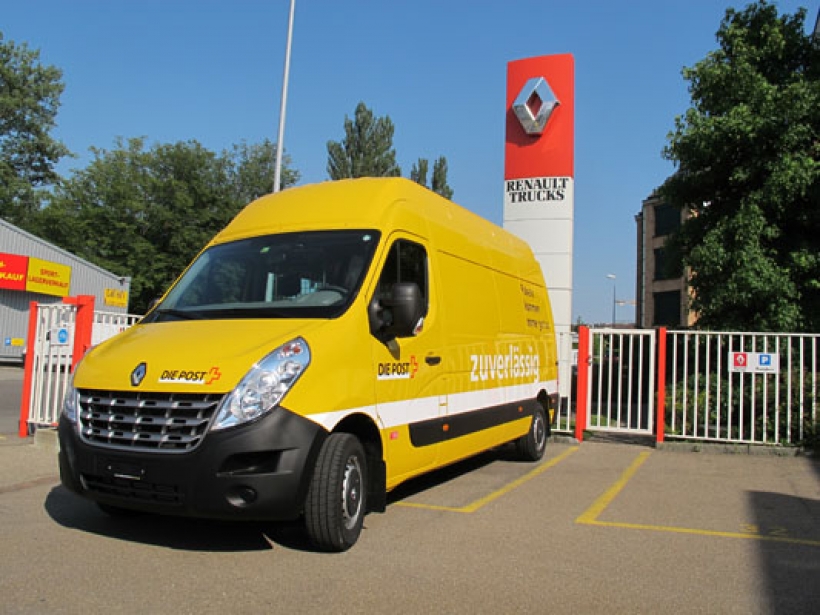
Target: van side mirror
(397,315)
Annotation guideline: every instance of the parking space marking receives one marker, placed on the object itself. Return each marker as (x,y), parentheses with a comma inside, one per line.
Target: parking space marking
(590,516)
(483,501)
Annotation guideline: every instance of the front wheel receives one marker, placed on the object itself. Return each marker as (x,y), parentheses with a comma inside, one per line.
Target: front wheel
(531,447)
(336,500)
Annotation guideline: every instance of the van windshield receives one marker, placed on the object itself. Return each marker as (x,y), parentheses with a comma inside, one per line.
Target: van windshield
(291,275)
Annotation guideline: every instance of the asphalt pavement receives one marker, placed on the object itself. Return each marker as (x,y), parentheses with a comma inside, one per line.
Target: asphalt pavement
(600,527)
(11,390)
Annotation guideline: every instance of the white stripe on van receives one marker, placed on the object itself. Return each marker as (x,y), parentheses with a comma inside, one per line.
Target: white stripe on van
(415,410)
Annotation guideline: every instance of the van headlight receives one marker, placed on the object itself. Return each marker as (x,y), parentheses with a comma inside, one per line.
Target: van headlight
(264,386)
(71,399)
(71,402)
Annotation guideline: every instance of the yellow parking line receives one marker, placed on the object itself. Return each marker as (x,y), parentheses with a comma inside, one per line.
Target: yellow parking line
(592,513)
(700,532)
(479,503)
(590,516)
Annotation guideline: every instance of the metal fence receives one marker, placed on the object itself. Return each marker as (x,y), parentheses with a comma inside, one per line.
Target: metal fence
(51,352)
(567,375)
(756,388)
(621,384)
(613,383)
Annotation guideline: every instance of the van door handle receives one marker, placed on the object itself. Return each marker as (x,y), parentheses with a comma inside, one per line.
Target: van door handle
(432,360)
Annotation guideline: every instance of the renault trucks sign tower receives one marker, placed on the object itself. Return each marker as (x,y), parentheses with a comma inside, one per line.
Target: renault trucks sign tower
(539,178)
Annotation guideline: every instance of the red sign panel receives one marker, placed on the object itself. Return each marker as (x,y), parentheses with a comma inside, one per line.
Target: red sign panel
(550,153)
(13,269)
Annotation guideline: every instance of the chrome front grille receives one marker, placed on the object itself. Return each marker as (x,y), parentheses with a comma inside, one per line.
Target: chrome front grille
(166,422)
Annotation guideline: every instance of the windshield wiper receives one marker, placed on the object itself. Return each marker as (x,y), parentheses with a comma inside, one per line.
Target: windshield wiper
(185,314)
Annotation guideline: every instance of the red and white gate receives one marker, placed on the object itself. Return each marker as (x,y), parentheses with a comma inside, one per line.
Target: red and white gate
(616,382)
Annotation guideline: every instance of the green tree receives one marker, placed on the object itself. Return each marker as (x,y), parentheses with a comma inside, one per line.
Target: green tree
(747,166)
(251,170)
(439,184)
(145,213)
(418,173)
(29,100)
(366,150)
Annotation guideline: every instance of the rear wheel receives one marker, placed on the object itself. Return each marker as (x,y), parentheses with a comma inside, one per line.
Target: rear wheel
(336,500)
(531,447)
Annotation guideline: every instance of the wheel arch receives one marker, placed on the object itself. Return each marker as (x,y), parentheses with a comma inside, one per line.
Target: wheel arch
(363,427)
(550,402)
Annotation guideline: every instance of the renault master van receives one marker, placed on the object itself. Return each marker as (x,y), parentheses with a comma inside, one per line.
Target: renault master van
(333,341)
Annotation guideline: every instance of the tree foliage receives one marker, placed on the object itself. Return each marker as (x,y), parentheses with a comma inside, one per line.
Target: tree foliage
(29,100)
(747,166)
(145,213)
(439,184)
(418,173)
(366,150)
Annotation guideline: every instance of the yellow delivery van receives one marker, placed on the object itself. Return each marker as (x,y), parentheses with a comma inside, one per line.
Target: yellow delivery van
(331,342)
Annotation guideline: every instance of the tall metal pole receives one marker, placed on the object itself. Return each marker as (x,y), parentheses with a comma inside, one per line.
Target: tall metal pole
(612,277)
(277,173)
(614,303)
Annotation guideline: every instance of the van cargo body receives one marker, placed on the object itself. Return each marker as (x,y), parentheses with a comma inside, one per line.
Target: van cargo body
(333,341)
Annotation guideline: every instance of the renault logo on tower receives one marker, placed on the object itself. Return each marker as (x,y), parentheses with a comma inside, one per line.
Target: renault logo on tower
(534,105)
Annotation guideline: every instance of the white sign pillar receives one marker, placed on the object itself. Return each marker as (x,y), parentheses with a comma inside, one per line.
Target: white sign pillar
(539,190)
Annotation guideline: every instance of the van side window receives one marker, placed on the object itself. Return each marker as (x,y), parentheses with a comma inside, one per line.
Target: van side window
(407,262)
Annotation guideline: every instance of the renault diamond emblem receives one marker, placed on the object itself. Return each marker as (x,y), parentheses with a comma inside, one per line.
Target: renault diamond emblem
(138,374)
(534,105)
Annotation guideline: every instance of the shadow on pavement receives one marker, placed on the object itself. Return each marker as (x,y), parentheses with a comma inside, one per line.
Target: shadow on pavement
(789,550)
(182,533)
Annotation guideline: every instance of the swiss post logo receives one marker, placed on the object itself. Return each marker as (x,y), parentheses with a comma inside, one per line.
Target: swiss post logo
(190,376)
(397,370)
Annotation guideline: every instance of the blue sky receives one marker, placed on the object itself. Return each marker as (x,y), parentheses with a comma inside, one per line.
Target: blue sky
(212,71)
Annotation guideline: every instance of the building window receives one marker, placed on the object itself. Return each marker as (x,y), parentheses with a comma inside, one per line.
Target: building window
(665,267)
(667,309)
(667,219)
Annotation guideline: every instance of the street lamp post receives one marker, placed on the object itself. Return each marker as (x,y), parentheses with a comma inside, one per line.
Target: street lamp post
(277,172)
(612,277)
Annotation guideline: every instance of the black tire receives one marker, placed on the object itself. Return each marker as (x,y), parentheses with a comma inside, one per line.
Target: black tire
(531,446)
(337,498)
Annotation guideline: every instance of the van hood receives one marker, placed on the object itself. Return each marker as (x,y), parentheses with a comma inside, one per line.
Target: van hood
(201,356)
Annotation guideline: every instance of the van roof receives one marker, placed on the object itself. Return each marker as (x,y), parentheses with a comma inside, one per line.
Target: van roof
(387,205)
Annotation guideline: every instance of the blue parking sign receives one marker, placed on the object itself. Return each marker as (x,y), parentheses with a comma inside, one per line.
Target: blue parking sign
(765,360)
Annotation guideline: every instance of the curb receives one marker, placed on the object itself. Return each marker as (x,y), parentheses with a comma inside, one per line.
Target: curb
(46,438)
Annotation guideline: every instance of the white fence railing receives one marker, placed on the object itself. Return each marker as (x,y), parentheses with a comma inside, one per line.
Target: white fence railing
(621,387)
(567,374)
(613,383)
(756,388)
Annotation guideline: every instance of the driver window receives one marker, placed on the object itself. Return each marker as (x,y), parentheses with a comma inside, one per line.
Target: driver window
(407,262)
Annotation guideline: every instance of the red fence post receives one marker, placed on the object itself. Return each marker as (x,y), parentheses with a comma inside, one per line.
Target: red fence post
(660,421)
(582,384)
(28,372)
(83,325)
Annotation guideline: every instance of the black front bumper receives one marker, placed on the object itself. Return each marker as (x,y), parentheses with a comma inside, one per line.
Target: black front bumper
(259,471)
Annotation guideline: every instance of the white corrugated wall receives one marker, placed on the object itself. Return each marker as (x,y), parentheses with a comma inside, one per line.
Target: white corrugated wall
(86,279)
